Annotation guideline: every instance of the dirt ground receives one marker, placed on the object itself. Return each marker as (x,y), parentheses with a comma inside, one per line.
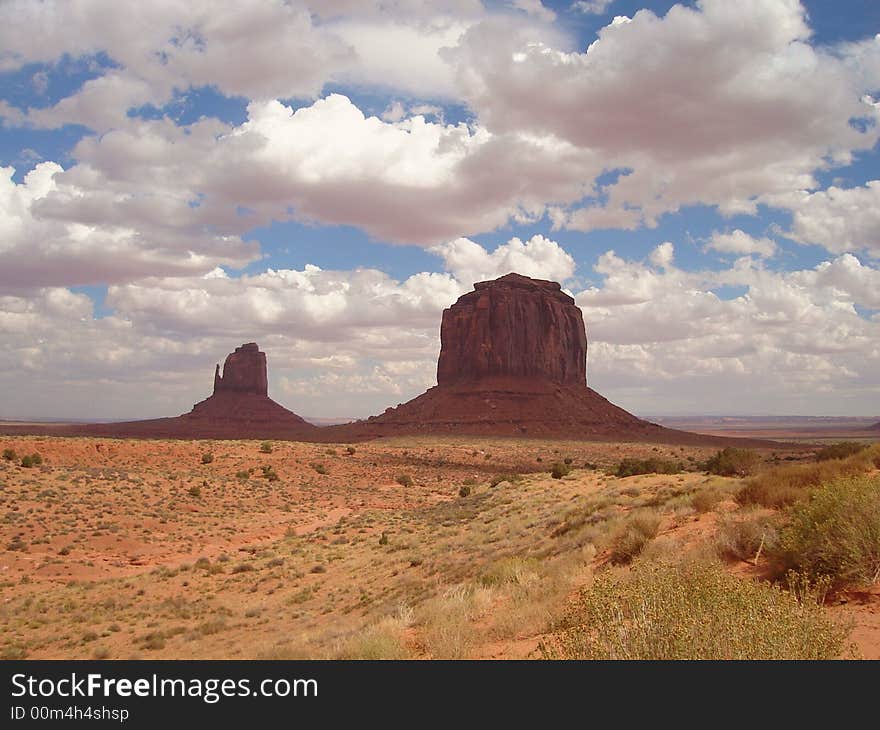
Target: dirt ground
(419,547)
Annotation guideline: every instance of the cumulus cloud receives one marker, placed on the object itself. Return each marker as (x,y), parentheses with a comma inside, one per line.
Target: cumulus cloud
(538,257)
(716,104)
(741,243)
(257,49)
(114,236)
(662,339)
(838,219)
(410,181)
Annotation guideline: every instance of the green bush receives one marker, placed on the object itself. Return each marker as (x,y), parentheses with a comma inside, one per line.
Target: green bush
(786,484)
(654,465)
(664,611)
(464,491)
(841,450)
(207,458)
(731,462)
(319,467)
(404,480)
(195,491)
(638,530)
(30,461)
(836,533)
(559,470)
(266,447)
(9,454)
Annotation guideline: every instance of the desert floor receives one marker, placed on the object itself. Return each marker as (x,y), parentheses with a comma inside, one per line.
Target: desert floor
(422,548)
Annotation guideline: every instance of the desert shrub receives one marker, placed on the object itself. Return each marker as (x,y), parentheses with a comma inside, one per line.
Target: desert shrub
(638,530)
(705,500)
(731,462)
(194,491)
(16,545)
(836,533)
(269,474)
(498,478)
(788,483)
(319,467)
(32,460)
(840,450)
(9,454)
(207,458)
(382,640)
(404,480)
(266,447)
(742,536)
(559,470)
(667,611)
(653,465)
(243,568)
(242,474)
(464,491)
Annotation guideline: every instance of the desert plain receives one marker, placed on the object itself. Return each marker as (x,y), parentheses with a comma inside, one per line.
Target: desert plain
(410,547)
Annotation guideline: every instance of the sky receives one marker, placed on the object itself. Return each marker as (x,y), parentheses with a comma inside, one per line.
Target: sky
(324,177)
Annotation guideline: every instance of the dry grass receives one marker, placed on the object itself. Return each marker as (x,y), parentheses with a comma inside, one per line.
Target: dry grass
(836,534)
(780,486)
(745,533)
(633,535)
(692,611)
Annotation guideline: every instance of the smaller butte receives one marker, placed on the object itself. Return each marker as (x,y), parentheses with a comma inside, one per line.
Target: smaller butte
(239,408)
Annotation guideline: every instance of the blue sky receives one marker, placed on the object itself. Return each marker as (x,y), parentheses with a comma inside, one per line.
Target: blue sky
(325,182)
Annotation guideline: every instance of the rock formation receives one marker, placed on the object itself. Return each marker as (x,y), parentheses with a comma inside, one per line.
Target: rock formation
(512,362)
(513,327)
(239,408)
(243,372)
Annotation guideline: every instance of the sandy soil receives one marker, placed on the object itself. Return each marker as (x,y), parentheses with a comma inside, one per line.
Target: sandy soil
(125,548)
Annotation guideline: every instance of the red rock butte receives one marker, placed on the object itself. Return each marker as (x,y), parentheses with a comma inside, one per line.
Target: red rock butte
(239,408)
(512,362)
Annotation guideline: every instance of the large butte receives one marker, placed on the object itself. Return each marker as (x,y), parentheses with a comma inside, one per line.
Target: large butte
(513,362)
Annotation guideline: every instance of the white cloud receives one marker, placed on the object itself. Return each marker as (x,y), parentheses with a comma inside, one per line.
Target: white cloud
(534,8)
(838,219)
(592,7)
(411,181)
(741,243)
(258,49)
(661,339)
(717,104)
(114,237)
(538,257)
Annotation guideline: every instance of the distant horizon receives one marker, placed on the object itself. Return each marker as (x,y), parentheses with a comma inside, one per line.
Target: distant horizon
(334,420)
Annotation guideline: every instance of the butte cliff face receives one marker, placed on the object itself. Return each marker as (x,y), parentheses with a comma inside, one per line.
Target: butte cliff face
(512,363)
(244,371)
(513,327)
(240,404)
(239,408)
